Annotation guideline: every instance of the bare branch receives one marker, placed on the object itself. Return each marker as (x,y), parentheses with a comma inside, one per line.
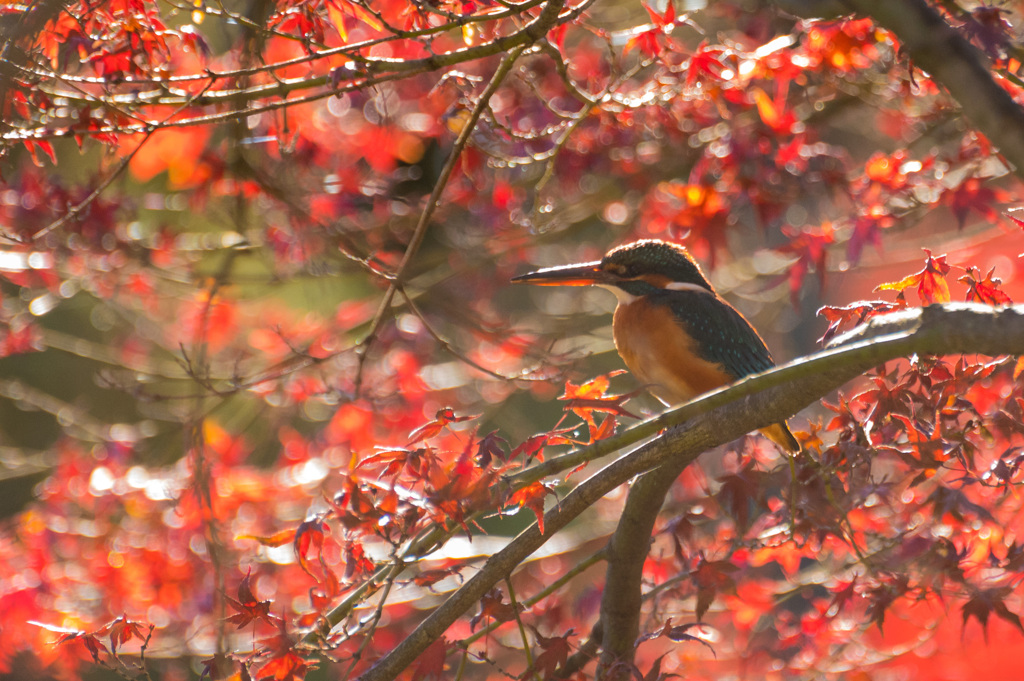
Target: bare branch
(535,30)
(627,552)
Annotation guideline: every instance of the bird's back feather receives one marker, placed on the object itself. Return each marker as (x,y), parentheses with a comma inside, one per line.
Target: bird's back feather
(685,343)
(721,333)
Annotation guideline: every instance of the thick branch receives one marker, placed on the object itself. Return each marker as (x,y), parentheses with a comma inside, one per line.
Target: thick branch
(727,414)
(627,551)
(958,66)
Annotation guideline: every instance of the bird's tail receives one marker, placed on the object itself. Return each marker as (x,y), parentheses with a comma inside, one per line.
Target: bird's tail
(781,435)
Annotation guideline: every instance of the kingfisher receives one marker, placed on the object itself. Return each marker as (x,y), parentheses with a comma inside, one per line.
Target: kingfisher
(671,328)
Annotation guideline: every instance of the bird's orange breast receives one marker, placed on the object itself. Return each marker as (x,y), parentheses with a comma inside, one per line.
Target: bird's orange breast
(658,350)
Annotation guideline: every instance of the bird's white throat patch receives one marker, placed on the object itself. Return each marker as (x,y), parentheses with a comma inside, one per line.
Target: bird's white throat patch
(685,286)
(623,297)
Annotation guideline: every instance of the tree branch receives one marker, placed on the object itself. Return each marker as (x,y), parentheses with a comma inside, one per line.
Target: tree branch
(629,546)
(958,66)
(725,415)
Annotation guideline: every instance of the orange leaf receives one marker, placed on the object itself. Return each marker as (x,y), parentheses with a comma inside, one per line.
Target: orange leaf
(277,539)
(605,430)
(310,534)
(532,497)
(364,15)
(900,285)
(337,18)
(854,313)
(336,9)
(772,114)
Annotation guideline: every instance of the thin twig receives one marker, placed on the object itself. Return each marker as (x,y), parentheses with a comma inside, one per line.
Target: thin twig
(87,201)
(397,566)
(446,345)
(432,203)
(522,630)
(571,574)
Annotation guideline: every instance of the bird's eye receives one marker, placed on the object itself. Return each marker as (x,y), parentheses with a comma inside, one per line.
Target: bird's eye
(617,269)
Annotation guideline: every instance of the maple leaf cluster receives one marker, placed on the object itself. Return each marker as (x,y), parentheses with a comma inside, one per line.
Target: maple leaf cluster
(266,399)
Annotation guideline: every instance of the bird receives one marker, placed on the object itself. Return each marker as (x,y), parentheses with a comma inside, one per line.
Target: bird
(671,328)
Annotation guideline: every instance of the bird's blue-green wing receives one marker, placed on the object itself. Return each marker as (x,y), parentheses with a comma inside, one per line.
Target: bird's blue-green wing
(722,334)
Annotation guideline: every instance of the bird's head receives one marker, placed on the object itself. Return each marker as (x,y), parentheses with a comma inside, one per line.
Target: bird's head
(631,270)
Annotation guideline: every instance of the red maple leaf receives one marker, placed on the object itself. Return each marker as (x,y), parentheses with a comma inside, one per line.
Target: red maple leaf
(706,64)
(489,447)
(853,314)
(121,631)
(710,577)
(356,560)
(441,420)
(984,603)
(810,248)
(287,667)
(533,446)
(397,460)
(429,578)
(310,535)
(493,605)
(985,290)
(930,282)
(676,633)
(556,652)
(867,229)
(284,663)
(430,663)
(221,666)
(970,195)
(249,608)
(89,639)
(649,39)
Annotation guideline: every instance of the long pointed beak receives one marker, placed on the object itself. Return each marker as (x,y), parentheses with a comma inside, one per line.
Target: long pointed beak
(565,275)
